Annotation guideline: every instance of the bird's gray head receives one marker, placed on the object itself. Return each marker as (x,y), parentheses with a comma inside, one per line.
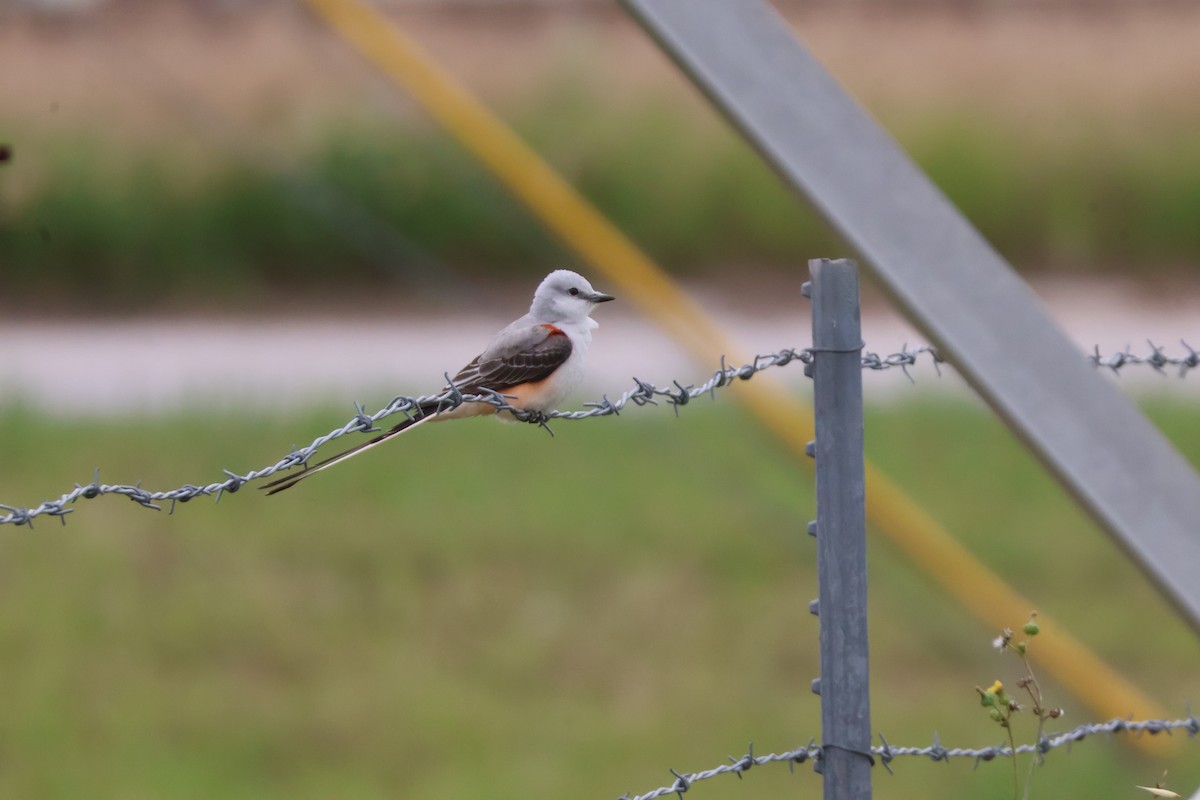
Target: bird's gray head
(565,296)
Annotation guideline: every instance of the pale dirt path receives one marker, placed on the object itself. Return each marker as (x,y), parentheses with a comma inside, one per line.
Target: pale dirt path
(157,365)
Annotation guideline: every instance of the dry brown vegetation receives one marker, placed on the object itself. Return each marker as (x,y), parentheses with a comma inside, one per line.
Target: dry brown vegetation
(150,134)
(275,68)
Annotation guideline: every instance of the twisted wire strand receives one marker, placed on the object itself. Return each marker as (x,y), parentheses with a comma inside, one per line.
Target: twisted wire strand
(642,393)
(885,753)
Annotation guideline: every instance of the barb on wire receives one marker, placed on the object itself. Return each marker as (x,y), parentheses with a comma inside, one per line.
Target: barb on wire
(641,394)
(903,359)
(1157,359)
(887,753)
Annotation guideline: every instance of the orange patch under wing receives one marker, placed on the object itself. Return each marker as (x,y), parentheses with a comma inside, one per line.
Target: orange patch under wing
(519,396)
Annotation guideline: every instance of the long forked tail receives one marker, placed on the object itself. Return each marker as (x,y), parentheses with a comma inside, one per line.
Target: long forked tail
(288,481)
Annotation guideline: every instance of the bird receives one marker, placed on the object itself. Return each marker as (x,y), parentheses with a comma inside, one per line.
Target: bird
(534,363)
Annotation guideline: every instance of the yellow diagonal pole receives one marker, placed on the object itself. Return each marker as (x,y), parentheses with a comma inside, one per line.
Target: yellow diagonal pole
(597,241)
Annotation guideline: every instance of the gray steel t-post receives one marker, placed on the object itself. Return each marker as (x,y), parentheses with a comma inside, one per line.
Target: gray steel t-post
(945,277)
(841,530)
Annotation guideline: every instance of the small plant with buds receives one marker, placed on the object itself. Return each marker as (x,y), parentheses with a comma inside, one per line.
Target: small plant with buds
(1001,706)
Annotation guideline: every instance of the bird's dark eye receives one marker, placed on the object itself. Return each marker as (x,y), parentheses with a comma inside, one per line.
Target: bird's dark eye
(572,291)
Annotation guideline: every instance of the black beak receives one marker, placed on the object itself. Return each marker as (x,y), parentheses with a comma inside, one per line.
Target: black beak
(600,297)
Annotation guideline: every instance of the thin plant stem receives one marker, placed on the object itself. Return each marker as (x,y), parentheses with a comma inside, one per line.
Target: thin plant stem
(1012,743)
(1035,693)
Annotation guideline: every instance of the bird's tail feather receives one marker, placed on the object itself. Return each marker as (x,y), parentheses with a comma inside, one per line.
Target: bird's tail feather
(288,481)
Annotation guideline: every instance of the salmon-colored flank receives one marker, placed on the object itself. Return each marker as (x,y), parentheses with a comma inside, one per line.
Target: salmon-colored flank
(519,396)
(554,331)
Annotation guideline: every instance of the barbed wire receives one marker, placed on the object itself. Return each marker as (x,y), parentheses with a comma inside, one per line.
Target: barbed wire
(885,753)
(1157,359)
(642,393)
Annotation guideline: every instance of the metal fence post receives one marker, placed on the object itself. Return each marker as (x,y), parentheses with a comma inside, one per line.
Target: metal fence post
(950,283)
(845,761)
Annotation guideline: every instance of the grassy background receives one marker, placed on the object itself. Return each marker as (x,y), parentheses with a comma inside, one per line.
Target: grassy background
(632,596)
(408,204)
(482,610)
(169,155)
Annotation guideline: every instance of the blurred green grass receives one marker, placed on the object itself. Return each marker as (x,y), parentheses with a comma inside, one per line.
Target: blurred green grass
(481,610)
(137,227)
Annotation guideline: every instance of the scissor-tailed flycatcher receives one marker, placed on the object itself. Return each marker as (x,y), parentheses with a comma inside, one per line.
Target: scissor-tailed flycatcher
(534,362)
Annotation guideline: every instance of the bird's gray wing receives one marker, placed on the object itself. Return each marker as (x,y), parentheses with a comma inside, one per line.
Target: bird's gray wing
(527,354)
